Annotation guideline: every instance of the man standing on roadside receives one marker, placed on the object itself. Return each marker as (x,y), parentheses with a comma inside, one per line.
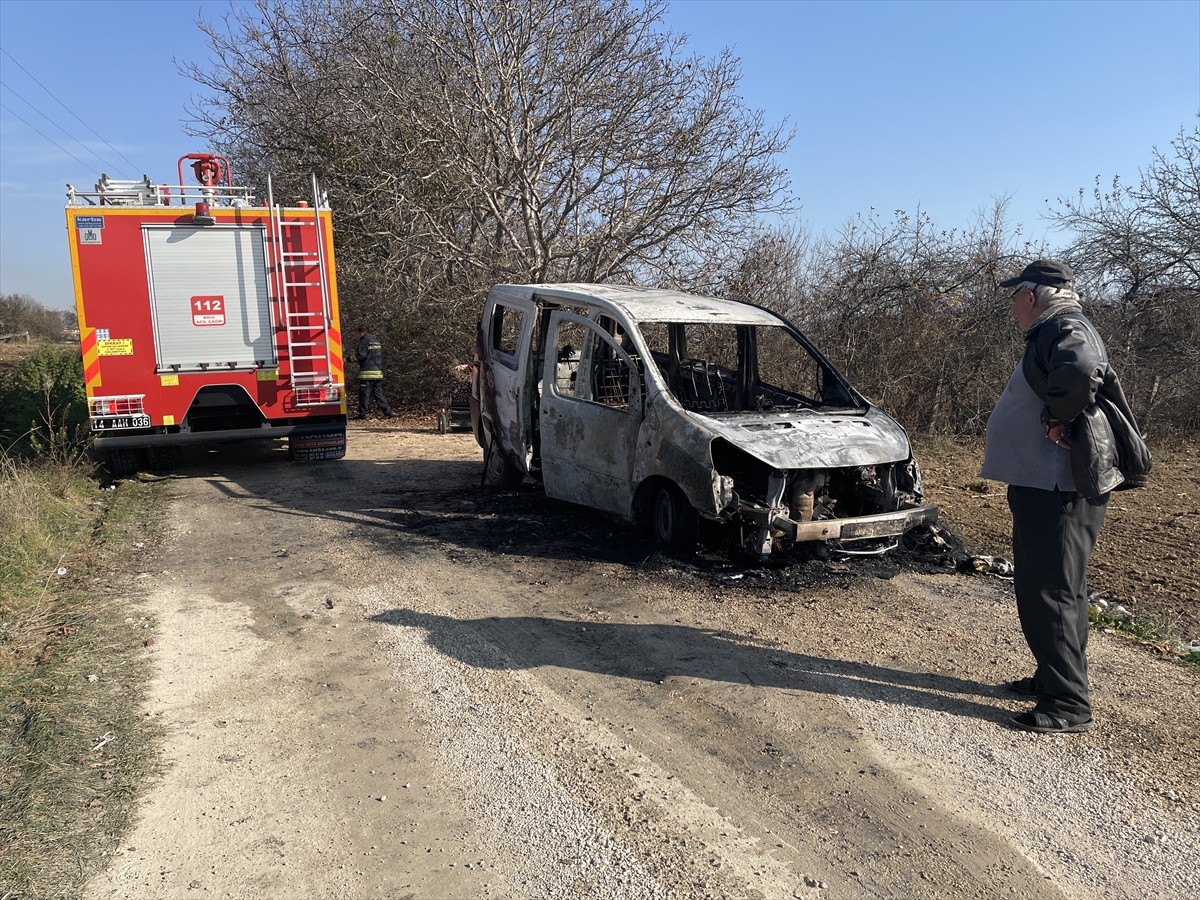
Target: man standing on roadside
(370,374)
(1061,437)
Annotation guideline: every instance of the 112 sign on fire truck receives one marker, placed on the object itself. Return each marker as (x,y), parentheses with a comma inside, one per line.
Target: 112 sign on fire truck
(206,316)
(208,310)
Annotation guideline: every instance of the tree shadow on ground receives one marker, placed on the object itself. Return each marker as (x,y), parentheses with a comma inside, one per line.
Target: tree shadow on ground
(656,653)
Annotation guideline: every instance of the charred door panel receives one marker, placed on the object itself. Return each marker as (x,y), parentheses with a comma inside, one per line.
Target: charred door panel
(591,410)
(508,334)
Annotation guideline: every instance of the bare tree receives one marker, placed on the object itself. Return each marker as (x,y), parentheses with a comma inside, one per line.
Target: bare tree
(910,312)
(20,312)
(467,142)
(1137,250)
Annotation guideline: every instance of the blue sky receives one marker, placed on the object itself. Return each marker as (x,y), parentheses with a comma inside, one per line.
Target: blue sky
(942,105)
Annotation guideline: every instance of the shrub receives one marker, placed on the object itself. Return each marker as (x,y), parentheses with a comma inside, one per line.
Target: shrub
(43,406)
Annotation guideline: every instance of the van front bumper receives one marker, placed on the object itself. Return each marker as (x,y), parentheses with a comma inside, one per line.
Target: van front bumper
(852,528)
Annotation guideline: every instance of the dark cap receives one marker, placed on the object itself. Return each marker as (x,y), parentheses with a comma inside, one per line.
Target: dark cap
(1043,271)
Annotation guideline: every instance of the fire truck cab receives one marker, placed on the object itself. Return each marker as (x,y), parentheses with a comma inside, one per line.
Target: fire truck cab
(206,315)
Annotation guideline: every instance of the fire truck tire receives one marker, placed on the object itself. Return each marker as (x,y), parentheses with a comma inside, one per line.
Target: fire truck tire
(123,461)
(162,459)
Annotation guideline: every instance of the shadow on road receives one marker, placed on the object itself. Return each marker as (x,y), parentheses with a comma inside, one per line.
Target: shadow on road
(435,499)
(405,505)
(657,652)
(411,507)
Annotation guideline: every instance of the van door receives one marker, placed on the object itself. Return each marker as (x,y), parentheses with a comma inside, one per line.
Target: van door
(508,398)
(591,411)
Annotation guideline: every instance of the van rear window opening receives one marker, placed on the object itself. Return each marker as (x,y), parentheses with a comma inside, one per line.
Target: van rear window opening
(506,329)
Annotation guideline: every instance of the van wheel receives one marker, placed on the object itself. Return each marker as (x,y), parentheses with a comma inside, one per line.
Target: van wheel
(673,519)
(498,472)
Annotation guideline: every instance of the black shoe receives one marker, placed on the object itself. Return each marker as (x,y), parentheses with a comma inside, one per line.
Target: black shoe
(1044,723)
(360,418)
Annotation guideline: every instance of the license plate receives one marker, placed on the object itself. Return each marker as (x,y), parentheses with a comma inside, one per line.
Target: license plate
(106,422)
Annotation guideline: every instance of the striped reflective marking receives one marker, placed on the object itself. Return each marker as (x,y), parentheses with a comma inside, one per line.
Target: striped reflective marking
(91,358)
(335,351)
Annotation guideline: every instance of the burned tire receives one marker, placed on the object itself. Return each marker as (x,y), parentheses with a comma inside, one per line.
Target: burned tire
(672,519)
(498,472)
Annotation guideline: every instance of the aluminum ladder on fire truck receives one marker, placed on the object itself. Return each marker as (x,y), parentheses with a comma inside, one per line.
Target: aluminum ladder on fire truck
(309,355)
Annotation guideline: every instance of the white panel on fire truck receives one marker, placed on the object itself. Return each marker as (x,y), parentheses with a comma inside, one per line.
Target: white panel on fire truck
(209,296)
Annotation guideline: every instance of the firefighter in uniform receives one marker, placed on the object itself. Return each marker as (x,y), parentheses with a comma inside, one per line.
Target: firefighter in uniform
(370,374)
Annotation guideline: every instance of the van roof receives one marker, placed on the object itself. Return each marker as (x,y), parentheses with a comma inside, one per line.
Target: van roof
(646,304)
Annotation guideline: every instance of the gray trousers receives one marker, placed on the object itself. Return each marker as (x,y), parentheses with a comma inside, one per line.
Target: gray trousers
(1054,533)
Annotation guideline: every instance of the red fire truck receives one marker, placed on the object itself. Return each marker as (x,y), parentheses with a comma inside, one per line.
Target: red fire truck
(206,316)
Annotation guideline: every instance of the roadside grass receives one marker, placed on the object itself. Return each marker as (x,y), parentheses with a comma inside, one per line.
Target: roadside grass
(1134,626)
(75,745)
(1146,631)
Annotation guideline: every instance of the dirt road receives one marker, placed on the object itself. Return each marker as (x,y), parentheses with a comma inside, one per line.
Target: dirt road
(380,682)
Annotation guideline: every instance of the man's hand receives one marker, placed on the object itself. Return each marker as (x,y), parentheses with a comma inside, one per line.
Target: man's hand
(1054,431)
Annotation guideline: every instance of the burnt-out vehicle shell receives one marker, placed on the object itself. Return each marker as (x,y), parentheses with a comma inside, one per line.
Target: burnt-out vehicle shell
(608,424)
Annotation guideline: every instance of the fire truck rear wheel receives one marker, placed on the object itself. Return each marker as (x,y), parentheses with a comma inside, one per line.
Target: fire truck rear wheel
(124,460)
(162,459)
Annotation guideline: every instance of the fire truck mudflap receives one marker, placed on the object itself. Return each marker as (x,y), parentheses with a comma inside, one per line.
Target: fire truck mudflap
(206,316)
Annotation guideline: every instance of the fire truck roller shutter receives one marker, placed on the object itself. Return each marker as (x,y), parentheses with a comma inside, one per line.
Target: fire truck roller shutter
(209,296)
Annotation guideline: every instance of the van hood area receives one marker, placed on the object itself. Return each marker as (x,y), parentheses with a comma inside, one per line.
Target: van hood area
(812,439)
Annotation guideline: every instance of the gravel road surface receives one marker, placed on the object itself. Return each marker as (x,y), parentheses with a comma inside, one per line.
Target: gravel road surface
(379,681)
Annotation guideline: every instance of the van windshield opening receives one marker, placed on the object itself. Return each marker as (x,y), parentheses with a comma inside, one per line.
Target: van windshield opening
(714,368)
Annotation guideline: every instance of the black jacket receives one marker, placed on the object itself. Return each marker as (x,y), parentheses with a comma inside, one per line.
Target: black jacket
(370,358)
(1067,366)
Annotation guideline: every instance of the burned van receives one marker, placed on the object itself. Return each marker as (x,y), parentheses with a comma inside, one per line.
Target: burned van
(662,408)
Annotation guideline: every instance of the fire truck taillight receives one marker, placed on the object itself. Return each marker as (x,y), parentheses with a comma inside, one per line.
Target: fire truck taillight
(123,405)
(318,396)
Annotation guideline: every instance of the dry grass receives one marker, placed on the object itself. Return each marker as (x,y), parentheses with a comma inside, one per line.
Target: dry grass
(75,746)
(1145,557)
(43,516)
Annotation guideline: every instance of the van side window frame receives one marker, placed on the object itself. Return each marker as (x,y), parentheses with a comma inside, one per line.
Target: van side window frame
(501,312)
(635,391)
